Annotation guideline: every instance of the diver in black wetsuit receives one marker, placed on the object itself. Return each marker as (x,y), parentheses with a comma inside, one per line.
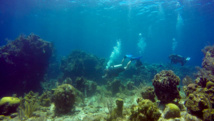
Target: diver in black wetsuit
(115,70)
(178,59)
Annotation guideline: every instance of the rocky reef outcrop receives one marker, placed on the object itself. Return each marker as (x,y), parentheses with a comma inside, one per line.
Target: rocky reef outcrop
(82,64)
(64,98)
(87,87)
(196,103)
(146,72)
(165,84)
(23,63)
(149,93)
(115,86)
(208,60)
(207,71)
(200,95)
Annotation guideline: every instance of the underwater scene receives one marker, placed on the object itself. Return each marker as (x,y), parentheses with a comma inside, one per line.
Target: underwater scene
(107,60)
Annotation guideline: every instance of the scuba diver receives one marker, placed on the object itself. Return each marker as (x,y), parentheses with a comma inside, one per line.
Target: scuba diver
(178,59)
(115,70)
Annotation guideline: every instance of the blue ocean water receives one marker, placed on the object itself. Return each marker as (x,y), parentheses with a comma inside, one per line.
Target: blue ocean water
(153,29)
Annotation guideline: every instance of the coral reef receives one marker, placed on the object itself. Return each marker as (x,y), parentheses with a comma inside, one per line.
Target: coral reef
(28,105)
(200,94)
(146,110)
(117,112)
(146,72)
(87,87)
(115,86)
(209,91)
(101,103)
(190,88)
(119,109)
(200,100)
(165,84)
(208,114)
(171,111)
(64,98)
(207,71)
(149,93)
(208,60)
(23,63)
(189,117)
(187,80)
(196,103)
(82,64)
(45,99)
(130,85)
(201,81)
(9,105)
(91,117)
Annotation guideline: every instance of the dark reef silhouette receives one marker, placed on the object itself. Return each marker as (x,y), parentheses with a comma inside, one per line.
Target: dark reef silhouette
(165,84)
(23,63)
(82,64)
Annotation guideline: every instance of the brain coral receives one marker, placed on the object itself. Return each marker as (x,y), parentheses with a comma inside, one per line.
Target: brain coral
(171,111)
(146,110)
(165,84)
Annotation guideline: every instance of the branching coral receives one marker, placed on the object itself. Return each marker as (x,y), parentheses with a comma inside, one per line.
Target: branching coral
(28,105)
(45,99)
